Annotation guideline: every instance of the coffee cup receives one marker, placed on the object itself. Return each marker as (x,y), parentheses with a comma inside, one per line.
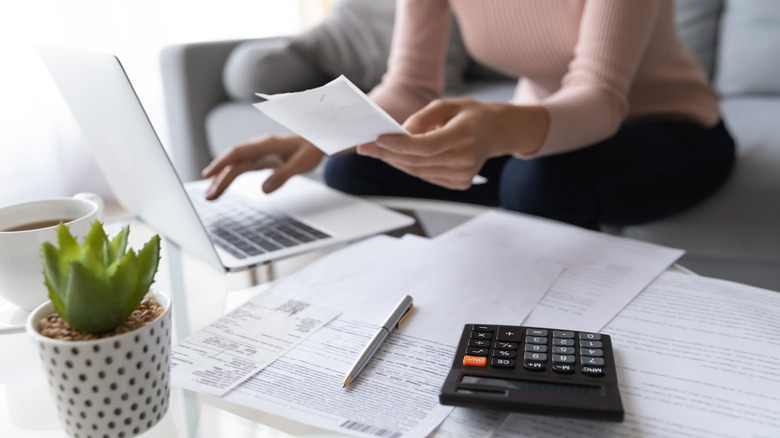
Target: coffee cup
(24,227)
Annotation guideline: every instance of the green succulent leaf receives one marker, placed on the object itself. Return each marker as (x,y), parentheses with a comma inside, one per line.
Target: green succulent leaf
(97,285)
(94,254)
(55,274)
(118,245)
(125,282)
(69,247)
(148,261)
(90,305)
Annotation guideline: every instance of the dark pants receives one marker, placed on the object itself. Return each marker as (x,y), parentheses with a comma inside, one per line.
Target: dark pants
(649,170)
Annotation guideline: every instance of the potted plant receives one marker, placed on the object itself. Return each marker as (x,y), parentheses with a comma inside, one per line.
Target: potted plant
(104,337)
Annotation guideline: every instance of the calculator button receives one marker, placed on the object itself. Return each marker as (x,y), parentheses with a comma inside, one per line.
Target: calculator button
(534,357)
(473,351)
(590,344)
(502,363)
(534,366)
(561,368)
(563,342)
(593,352)
(535,332)
(481,335)
(592,361)
(483,328)
(593,371)
(562,350)
(590,336)
(508,354)
(562,334)
(537,348)
(475,361)
(479,343)
(505,345)
(509,333)
(535,340)
(562,358)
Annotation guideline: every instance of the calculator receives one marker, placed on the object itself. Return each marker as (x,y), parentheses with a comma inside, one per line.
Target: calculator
(534,370)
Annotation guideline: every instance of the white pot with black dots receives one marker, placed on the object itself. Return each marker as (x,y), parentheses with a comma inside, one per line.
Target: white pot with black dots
(117,386)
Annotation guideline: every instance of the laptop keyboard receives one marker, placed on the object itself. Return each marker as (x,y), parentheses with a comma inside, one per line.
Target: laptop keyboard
(247,231)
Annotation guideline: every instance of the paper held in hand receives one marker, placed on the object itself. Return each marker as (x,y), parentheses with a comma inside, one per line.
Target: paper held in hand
(333,117)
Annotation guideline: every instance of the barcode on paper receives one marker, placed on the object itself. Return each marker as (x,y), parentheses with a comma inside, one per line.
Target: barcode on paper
(371,430)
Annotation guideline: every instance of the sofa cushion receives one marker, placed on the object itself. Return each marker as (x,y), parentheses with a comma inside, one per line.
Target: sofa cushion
(355,41)
(749,48)
(268,66)
(745,213)
(697,25)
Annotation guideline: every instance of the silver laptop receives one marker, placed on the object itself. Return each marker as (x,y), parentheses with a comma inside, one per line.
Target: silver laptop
(243,228)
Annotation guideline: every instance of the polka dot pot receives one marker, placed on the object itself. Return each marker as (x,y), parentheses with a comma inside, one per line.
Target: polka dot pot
(116,387)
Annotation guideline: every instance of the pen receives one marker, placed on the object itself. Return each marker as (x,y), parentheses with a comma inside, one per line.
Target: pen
(394,320)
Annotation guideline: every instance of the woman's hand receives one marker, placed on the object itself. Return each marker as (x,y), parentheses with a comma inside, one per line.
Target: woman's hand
(289,155)
(452,138)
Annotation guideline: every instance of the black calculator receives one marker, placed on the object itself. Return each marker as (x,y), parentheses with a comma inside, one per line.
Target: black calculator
(534,370)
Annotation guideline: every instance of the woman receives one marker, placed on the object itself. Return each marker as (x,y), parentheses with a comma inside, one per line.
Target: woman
(612,122)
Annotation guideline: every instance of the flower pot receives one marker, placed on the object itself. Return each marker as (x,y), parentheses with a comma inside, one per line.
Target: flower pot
(111,387)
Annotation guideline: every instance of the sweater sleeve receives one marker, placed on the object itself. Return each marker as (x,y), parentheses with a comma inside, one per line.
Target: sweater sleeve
(593,99)
(415,68)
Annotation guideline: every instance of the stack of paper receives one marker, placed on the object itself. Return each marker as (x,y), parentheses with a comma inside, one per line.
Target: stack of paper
(499,268)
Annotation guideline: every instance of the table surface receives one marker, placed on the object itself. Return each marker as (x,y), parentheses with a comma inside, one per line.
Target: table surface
(27,409)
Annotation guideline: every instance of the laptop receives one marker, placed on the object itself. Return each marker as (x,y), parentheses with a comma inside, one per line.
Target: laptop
(243,228)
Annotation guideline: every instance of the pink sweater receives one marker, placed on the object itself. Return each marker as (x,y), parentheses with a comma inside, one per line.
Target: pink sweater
(590,63)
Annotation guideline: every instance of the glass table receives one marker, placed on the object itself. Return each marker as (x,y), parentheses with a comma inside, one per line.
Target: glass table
(201,295)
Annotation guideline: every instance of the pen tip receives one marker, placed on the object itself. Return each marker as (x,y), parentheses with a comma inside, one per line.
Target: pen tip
(346,382)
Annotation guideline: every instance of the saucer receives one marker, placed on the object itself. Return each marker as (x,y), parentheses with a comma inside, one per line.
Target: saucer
(12,318)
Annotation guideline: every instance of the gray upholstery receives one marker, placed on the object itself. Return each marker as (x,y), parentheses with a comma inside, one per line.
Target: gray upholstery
(698,25)
(748,59)
(265,67)
(735,234)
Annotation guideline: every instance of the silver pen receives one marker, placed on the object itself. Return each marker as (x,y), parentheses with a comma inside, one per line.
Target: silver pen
(394,320)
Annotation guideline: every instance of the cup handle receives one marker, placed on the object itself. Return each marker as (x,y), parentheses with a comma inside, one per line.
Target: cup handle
(94,198)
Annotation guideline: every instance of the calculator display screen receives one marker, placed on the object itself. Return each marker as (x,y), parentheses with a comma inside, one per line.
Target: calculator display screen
(493,382)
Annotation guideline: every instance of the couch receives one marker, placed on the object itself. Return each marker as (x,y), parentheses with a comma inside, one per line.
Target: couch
(734,234)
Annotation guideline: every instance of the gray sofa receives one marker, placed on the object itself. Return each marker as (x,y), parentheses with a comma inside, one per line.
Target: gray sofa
(735,234)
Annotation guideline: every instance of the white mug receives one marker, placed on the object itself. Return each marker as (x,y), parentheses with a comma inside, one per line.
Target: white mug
(24,227)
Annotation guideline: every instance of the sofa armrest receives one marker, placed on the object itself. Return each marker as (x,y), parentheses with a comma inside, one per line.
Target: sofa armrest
(192,86)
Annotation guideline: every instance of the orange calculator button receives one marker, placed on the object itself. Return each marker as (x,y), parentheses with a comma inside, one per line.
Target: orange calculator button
(475,361)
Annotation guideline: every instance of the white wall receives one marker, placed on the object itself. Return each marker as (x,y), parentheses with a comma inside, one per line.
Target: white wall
(41,150)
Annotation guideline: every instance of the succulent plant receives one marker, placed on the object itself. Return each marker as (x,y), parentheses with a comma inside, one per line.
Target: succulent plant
(96,286)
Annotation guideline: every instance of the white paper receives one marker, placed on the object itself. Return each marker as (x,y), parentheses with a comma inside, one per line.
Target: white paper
(696,357)
(333,117)
(603,272)
(492,270)
(451,284)
(222,355)
(396,395)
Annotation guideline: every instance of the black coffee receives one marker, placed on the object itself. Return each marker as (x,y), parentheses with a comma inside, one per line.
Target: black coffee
(37,225)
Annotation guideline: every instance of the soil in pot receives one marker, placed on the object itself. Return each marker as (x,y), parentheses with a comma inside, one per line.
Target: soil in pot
(53,326)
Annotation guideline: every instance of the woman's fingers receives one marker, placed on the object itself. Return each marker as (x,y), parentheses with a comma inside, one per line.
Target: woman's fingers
(453,157)
(301,160)
(434,115)
(221,180)
(255,151)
